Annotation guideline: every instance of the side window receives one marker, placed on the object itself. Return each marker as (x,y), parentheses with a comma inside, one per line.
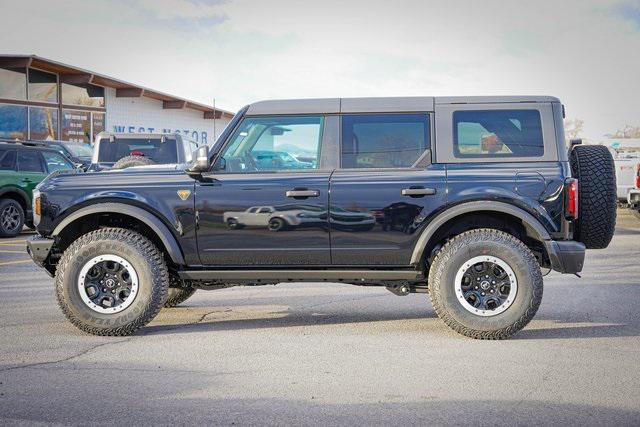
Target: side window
(56,162)
(29,161)
(275,143)
(497,133)
(8,159)
(384,140)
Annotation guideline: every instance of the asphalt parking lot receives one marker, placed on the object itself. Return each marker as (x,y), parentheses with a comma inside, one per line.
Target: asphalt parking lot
(328,354)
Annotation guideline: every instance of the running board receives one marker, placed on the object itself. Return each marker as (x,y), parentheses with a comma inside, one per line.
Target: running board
(305,275)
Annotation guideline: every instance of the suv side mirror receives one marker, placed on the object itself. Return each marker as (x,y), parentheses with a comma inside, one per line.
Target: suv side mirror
(201,161)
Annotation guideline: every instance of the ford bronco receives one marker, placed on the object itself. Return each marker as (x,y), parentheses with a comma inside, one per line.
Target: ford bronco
(468,199)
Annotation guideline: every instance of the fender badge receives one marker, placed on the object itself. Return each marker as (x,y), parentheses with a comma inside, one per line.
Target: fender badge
(184,194)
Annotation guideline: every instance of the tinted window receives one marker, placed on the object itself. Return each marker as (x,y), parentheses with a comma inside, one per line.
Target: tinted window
(13,122)
(97,124)
(29,161)
(383,140)
(43,123)
(76,126)
(78,149)
(13,83)
(42,86)
(82,94)
(274,143)
(160,152)
(497,133)
(8,159)
(55,161)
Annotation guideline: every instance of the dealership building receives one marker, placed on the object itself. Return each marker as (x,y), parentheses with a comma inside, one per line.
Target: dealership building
(41,99)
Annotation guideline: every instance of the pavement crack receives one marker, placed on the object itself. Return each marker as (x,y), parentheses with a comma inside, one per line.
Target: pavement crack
(65,359)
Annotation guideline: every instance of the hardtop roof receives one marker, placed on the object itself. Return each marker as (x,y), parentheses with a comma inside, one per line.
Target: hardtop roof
(380,104)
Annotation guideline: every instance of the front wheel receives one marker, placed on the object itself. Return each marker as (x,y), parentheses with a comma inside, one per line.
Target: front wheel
(111,281)
(485,284)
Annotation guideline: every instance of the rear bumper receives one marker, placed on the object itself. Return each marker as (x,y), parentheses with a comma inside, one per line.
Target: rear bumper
(633,198)
(566,256)
(38,248)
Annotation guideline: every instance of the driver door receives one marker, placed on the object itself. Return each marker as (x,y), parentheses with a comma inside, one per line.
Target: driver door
(268,204)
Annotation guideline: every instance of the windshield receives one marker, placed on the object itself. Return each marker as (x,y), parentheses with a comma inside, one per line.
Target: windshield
(160,152)
(78,149)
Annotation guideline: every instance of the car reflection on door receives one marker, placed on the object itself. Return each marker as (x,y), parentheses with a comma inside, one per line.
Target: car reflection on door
(296,216)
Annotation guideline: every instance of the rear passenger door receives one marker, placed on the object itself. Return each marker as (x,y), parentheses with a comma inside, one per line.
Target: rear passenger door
(385,190)
(31,169)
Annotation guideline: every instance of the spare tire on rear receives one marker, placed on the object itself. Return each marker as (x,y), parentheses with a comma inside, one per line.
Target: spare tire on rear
(593,166)
(129,161)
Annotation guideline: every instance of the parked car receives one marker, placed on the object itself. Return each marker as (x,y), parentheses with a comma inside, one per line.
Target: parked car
(124,150)
(78,153)
(471,213)
(22,167)
(627,166)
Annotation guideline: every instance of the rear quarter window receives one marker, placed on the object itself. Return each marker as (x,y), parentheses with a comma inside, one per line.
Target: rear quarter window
(497,133)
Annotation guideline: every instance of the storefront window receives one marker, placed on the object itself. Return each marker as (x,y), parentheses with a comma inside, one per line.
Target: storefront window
(13,121)
(42,86)
(98,124)
(13,83)
(82,94)
(76,126)
(43,123)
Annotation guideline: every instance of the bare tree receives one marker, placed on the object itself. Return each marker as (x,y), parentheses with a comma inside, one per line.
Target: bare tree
(573,128)
(627,131)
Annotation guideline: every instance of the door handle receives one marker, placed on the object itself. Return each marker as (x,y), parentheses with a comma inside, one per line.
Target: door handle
(25,180)
(418,191)
(302,193)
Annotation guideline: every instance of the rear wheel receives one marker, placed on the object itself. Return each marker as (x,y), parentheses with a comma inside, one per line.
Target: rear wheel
(11,218)
(485,284)
(178,293)
(277,224)
(111,281)
(593,166)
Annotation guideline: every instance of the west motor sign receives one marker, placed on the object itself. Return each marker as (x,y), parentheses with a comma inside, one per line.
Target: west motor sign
(197,135)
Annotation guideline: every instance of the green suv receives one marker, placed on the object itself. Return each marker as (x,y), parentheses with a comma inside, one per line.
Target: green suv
(22,167)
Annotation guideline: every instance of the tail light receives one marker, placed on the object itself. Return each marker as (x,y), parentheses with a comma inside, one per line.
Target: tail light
(638,176)
(571,201)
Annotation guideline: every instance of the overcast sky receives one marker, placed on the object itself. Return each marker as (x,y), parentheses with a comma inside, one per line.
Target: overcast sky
(585,52)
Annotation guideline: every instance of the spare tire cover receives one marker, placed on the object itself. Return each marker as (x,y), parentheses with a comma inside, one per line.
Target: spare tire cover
(593,166)
(127,162)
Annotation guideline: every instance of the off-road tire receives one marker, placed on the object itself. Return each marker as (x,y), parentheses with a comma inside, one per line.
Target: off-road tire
(490,243)
(143,256)
(17,208)
(593,166)
(129,161)
(178,292)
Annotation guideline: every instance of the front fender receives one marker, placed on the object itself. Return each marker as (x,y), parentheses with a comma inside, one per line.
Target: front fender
(152,221)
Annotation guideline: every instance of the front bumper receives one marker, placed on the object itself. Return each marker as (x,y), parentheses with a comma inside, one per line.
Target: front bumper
(566,256)
(39,248)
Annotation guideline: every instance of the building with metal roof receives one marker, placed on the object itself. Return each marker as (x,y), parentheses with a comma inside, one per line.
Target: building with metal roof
(44,99)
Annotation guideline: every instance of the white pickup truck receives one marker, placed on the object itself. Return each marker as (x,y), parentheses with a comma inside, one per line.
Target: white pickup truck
(627,161)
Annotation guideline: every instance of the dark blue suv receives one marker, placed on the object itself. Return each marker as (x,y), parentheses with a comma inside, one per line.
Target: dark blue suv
(468,199)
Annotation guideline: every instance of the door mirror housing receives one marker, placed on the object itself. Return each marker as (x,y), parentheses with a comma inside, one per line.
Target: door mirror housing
(200,162)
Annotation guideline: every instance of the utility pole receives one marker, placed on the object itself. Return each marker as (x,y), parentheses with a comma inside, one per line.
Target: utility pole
(215,137)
